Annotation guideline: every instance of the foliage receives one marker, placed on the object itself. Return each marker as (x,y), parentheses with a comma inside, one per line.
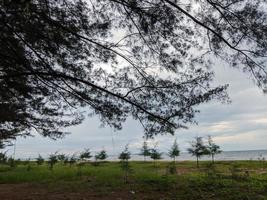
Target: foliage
(3,157)
(61,157)
(86,154)
(124,157)
(145,151)
(39,160)
(198,149)
(212,148)
(102,155)
(174,151)
(52,160)
(58,57)
(73,159)
(155,155)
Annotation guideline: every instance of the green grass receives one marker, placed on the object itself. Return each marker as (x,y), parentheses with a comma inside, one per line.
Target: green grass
(226,180)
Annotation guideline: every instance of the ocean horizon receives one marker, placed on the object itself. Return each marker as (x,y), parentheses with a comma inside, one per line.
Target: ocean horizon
(224,156)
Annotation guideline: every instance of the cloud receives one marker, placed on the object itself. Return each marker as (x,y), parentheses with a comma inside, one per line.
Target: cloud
(237,126)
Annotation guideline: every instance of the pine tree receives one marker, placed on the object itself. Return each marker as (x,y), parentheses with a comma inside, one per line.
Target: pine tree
(174,151)
(145,151)
(39,160)
(86,154)
(124,157)
(212,148)
(102,155)
(155,155)
(198,149)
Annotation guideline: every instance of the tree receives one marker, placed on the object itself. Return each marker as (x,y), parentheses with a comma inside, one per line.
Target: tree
(155,155)
(174,151)
(52,160)
(145,151)
(198,149)
(86,154)
(61,157)
(73,159)
(124,157)
(212,148)
(59,56)
(102,155)
(39,160)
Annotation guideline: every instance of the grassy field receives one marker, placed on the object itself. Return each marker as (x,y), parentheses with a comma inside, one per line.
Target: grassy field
(226,180)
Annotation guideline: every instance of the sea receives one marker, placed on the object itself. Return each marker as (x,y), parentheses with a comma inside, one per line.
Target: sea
(225,155)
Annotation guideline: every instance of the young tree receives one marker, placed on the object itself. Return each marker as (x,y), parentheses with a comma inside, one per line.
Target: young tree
(198,149)
(155,155)
(52,160)
(39,160)
(73,159)
(212,148)
(86,155)
(124,157)
(102,155)
(174,151)
(58,52)
(61,157)
(145,151)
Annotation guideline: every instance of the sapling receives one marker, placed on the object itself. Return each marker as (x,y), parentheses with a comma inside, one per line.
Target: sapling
(73,159)
(85,155)
(155,155)
(39,160)
(124,157)
(61,157)
(52,160)
(102,155)
(212,148)
(174,151)
(198,149)
(145,151)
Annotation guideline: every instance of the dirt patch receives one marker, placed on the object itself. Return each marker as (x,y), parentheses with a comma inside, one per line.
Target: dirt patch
(37,192)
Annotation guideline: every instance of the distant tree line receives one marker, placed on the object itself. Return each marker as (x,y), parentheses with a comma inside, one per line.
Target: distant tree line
(198,149)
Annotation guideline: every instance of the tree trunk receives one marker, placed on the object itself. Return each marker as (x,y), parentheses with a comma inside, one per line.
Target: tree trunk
(212,156)
(197,163)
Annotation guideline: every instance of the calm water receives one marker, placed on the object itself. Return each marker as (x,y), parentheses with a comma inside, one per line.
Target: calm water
(227,155)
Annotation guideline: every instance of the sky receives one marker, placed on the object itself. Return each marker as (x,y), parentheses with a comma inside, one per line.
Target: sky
(240,125)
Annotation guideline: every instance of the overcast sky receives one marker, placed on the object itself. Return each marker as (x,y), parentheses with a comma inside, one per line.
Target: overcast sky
(241,125)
